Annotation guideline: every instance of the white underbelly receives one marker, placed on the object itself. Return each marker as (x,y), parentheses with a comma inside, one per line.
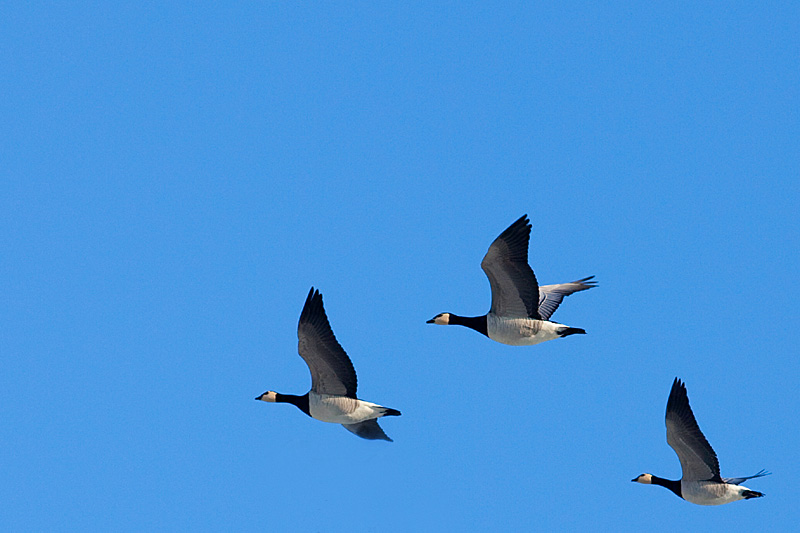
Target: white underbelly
(710,493)
(340,409)
(521,331)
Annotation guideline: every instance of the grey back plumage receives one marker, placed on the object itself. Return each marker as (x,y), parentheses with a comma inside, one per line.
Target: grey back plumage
(332,372)
(515,291)
(698,460)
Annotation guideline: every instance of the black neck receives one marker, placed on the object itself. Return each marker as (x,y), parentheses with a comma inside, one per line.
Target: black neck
(671,484)
(478,323)
(301,402)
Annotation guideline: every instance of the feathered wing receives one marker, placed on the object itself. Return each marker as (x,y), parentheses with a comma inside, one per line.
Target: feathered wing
(550,296)
(368,429)
(332,371)
(698,460)
(740,480)
(515,291)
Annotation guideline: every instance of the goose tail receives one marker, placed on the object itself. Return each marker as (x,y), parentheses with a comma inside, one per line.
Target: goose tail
(571,331)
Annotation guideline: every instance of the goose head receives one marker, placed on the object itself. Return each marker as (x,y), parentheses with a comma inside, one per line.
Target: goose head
(269,396)
(443,319)
(645,479)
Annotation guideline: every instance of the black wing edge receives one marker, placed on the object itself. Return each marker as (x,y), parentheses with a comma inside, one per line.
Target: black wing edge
(314,313)
(517,236)
(590,282)
(313,306)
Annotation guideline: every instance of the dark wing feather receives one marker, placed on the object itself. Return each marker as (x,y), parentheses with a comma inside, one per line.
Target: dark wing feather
(515,291)
(550,296)
(698,460)
(368,429)
(332,371)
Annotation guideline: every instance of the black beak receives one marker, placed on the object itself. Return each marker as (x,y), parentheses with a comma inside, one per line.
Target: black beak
(259,397)
(429,321)
(634,479)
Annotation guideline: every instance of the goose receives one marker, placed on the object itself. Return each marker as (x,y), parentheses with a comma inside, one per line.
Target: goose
(332,397)
(701,482)
(521,309)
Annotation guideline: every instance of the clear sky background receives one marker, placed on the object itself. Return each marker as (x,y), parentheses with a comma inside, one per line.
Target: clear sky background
(176,177)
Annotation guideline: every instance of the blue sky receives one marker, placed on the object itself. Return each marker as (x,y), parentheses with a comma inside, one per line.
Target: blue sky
(176,178)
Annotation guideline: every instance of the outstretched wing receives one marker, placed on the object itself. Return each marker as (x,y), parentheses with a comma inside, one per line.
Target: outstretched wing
(515,291)
(550,296)
(740,480)
(368,429)
(332,371)
(698,460)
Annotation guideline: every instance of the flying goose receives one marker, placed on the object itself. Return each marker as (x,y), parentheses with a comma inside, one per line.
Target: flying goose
(701,482)
(521,309)
(332,397)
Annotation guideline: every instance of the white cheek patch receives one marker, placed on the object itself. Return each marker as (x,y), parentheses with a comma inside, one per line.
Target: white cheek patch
(442,320)
(269,396)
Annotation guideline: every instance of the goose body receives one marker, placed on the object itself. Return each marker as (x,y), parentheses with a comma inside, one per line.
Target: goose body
(524,331)
(715,493)
(332,397)
(701,483)
(521,309)
(343,410)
